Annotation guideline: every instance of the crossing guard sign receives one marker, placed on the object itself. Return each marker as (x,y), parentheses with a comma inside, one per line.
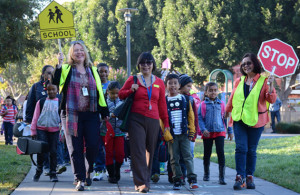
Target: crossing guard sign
(56,22)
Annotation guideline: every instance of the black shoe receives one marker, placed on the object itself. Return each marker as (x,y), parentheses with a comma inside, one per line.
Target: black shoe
(80,186)
(177,185)
(155,178)
(249,182)
(206,172)
(37,176)
(88,182)
(53,178)
(221,175)
(117,171)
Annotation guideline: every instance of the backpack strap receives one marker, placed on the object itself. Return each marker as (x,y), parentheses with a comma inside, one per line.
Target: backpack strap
(135,79)
(42,102)
(203,109)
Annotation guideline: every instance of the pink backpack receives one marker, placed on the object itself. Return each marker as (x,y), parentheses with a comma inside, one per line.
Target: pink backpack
(203,109)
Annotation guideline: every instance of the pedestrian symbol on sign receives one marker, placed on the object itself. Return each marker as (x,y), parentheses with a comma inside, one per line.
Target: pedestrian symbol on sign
(58,14)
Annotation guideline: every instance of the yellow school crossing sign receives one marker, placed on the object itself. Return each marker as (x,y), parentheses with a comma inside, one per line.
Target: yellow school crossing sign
(56,22)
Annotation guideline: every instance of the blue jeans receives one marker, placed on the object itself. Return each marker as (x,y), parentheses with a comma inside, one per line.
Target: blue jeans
(8,132)
(60,153)
(100,160)
(246,139)
(274,115)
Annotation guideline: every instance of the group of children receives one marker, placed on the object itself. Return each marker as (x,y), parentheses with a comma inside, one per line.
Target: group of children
(187,119)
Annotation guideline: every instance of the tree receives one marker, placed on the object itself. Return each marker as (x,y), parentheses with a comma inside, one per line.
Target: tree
(18,30)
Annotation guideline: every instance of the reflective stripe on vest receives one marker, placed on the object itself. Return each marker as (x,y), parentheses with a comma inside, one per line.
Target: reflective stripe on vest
(247,110)
(64,73)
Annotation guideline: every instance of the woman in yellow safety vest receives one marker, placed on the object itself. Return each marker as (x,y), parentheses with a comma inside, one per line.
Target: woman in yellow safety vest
(248,107)
(82,101)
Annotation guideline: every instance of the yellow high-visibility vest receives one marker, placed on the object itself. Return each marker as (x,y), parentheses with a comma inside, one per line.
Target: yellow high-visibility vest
(247,109)
(64,74)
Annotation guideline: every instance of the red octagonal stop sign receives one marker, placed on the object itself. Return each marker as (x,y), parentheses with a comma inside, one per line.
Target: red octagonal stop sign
(278,54)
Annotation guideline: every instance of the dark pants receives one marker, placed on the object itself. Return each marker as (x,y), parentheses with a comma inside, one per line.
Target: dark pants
(51,139)
(89,131)
(100,159)
(8,132)
(246,140)
(156,163)
(143,137)
(208,144)
(274,115)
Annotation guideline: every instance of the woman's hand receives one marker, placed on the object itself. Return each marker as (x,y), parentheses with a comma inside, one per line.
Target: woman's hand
(271,79)
(134,87)
(60,57)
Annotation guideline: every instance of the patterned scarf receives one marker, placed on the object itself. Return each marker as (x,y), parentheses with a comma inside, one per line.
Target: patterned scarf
(73,93)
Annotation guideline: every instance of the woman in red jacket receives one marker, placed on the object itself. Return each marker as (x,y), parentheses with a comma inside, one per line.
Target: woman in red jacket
(148,106)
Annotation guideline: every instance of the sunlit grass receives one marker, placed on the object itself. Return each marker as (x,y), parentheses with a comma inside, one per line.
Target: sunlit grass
(13,168)
(278,160)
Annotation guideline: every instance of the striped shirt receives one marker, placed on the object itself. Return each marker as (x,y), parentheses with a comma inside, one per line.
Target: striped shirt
(176,113)
(10,116)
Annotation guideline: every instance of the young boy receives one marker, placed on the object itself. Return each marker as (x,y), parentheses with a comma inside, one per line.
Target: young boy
(45,127)
(8,112)
(181,118)
(99,166)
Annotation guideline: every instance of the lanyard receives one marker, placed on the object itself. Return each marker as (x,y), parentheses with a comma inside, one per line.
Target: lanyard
(149,91)
(251,86)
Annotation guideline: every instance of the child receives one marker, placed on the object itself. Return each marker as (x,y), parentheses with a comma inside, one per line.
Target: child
(8,112)
(45,127)
(114,142)
(99,166)
(211,121)
(181,118)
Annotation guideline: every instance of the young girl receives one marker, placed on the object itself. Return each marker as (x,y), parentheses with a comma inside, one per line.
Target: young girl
(114,142)
(45,127)
(211,121)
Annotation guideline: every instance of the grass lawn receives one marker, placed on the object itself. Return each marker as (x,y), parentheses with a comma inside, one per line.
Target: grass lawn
(278,160)
(13,168)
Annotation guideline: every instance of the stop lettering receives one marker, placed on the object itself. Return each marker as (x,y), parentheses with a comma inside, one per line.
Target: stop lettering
(277,56)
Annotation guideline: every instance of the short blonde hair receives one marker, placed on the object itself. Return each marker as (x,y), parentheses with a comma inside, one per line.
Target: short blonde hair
(87,61)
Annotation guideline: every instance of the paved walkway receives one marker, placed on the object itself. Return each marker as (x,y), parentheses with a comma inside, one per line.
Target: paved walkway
(125,186)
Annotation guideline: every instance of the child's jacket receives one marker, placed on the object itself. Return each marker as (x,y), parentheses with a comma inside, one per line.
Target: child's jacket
(186,125)
(213,119)
(115,122)
(48,118)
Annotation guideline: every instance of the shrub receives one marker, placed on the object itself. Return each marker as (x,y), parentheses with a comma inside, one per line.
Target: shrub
(293,128)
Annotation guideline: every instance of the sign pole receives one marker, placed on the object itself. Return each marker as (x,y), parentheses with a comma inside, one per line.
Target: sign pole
(59,45)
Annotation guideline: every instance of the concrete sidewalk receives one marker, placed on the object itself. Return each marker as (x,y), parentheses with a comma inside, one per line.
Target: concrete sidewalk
(125,186)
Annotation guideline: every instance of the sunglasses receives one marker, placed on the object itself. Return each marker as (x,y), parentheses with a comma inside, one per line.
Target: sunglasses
(146,63)
(246,63)
(75,42)
(48,72)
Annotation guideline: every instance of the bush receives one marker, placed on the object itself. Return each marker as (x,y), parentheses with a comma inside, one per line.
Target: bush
(293,128)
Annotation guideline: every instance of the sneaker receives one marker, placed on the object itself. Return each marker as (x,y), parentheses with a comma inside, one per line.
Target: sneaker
(53,178)
(193,184)
(177,185)
(37,176)
(80,186)
(61,169)
(47,172)
(88,182)
(155,178)
(239,183)
(249,182)
(182,179)
(98,176)
(106,173)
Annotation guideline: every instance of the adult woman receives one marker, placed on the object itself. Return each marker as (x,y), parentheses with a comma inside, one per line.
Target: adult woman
(82,100)
(248,104)
(148,106)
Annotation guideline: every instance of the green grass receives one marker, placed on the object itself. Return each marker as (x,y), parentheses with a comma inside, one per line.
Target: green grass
(278,160)
(13,168)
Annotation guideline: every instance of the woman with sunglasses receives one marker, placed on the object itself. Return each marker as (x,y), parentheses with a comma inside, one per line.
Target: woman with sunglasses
(249,114)
(149,105)
(82,101)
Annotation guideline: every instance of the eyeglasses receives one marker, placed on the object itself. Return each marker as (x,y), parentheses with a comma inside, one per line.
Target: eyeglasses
(146,63)
(75,42)
(246,63)
(49,72)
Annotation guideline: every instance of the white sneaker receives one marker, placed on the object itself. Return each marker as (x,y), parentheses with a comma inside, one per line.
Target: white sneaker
(106,173)
(80,186)
(98,176)
(131,175)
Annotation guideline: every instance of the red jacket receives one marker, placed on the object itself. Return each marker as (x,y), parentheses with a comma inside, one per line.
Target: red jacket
(141,102)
